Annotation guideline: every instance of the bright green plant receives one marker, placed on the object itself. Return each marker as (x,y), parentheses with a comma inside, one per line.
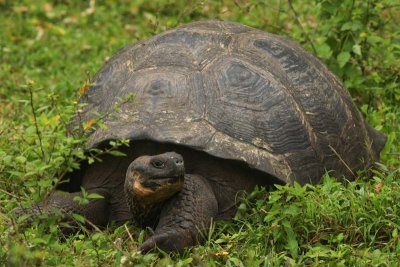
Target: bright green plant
(48,49)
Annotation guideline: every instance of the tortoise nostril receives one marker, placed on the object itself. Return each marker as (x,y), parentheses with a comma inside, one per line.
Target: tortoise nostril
(179,162)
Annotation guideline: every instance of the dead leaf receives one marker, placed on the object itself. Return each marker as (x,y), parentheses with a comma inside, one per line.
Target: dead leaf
(56,118)
(91,9)
(378,187)
(56,29)
(21,9)
(219,254)
(82,90)
(89,124)
(48,7)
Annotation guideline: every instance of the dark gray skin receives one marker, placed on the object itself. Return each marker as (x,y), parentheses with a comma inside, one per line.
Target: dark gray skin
(203,187)
(158,190)
(181,205)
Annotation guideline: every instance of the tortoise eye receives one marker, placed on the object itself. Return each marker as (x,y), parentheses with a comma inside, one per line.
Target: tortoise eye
(158,164)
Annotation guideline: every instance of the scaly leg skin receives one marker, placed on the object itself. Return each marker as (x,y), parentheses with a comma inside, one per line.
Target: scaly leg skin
(96,211)
(184,217)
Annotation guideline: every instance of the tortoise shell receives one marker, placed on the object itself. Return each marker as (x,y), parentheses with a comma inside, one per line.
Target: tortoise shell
(234,92)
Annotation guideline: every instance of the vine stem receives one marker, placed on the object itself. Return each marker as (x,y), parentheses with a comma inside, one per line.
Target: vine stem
(9,194)
(301,26)
(36,124)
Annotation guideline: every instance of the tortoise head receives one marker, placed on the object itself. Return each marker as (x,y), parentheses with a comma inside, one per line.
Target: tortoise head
(152,179)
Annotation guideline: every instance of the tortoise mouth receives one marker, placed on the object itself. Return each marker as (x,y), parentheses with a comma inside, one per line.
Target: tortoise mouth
(167,178)
(156,190)
(154,183)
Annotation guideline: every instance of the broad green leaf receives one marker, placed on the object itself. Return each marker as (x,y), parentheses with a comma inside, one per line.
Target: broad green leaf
(324,51)
(357,49)
(20,159)
(39,241)
(292,243)
(81,200)
(23,217)
(117,153)
(354,25)
(343,58)
(395,233)
(78,217)
(94,196)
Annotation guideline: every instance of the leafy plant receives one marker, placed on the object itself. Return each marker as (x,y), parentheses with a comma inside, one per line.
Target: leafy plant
(50,49)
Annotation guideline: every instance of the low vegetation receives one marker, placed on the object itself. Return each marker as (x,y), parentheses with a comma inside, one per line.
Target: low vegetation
(49,50)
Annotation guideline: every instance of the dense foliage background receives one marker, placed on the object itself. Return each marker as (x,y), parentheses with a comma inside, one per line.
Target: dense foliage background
(50,49)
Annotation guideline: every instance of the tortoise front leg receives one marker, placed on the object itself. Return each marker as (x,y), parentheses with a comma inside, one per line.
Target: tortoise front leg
(96,211)
(185,217)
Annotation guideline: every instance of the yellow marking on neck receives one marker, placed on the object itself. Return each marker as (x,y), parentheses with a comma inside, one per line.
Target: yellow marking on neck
(149,196)
(141,191)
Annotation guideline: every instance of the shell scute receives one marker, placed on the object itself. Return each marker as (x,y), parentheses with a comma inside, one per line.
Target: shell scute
(233,92)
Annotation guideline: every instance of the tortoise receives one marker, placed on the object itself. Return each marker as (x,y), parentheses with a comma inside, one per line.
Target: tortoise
(218,108)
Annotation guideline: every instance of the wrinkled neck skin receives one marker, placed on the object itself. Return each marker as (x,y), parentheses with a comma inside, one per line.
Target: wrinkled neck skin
(144,214)
(226,178)
(145,203)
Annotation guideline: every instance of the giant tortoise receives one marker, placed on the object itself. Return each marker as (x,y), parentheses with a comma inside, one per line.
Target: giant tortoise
(218,108)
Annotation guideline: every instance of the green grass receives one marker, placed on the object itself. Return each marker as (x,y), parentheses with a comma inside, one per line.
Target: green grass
(48,49)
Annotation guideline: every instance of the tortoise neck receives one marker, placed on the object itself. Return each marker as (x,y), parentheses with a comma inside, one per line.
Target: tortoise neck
(144,214)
